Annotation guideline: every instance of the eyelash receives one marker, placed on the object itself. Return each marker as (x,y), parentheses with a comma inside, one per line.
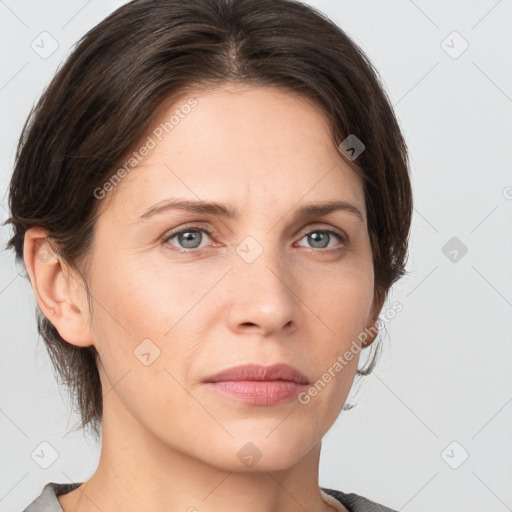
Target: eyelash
(340,235)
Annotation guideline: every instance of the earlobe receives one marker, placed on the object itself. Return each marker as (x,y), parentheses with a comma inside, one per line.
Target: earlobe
(371,333)
(58,293)
(372,328)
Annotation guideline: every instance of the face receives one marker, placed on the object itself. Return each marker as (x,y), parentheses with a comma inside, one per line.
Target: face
(181,295)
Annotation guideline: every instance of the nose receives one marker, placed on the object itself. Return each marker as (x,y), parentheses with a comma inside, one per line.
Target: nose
(264,296)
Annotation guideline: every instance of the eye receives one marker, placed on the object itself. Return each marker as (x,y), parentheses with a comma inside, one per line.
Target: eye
(320,238)
(188,238)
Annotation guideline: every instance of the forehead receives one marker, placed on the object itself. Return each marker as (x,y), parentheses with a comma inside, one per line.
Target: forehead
(238,145)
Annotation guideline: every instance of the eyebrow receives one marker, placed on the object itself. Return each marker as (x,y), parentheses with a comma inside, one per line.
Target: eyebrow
(230,212)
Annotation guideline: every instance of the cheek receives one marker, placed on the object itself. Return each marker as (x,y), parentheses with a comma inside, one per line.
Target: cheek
(352,303)
(343,305)
(142,296)
(340,306)
(135,307)
(343,299)
(150,299)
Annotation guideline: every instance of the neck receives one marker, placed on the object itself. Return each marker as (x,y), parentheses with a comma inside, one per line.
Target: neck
(138,472)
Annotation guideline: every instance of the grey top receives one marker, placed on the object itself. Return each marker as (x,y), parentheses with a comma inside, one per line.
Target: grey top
(47,501)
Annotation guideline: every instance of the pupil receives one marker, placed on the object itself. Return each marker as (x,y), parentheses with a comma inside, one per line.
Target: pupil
(316,237)
(189,241)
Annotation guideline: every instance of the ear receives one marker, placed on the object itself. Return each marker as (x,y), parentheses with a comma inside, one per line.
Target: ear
(60,294)
(372,329)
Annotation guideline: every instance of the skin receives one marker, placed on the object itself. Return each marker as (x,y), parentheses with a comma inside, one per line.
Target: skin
(169,442)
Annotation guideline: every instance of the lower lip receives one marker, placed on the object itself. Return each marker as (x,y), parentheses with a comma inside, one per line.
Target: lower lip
(259,392)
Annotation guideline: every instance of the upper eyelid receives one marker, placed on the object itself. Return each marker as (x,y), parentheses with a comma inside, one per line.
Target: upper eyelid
(315,225)
(303,231)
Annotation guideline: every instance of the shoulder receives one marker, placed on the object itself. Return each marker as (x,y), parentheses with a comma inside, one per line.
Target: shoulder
(354,502)
(47,501)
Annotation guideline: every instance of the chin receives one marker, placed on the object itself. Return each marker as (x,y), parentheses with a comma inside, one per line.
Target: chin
(261,452)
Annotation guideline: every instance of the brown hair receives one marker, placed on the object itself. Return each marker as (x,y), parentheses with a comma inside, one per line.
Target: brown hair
(147,52)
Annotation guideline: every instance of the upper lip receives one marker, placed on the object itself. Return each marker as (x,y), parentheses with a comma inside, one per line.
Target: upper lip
(260,372)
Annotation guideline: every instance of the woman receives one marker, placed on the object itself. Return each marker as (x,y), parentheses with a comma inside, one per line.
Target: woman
(212,202)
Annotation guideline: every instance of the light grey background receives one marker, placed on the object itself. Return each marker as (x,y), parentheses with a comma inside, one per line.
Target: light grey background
(443,387)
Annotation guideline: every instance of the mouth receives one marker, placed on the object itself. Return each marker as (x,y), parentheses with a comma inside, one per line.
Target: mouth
(259,385)
(256,372)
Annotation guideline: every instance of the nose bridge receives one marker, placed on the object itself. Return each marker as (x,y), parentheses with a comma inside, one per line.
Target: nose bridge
(260,261)
(262,291)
